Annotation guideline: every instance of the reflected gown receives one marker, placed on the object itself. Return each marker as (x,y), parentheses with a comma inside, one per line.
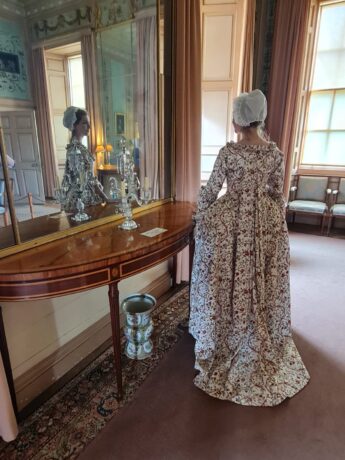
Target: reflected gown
(79,179)
(240,292)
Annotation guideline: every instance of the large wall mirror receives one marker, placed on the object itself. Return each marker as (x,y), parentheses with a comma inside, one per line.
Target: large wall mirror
(132,70)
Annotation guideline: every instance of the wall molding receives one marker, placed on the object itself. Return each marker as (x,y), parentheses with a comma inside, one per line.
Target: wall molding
(15,104)
(57,365)
(12,7)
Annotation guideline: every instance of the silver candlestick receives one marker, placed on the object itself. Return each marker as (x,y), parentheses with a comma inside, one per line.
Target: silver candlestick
(145,195)
(80,216)
(126,209)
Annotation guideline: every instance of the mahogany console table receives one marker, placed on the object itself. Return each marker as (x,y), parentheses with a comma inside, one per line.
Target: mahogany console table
(101,256)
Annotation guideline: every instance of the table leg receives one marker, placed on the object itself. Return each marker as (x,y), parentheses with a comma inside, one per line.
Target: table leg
(7,363)
(115,328)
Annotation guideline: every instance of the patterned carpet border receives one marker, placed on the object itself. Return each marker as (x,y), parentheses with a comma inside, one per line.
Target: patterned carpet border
(63,426)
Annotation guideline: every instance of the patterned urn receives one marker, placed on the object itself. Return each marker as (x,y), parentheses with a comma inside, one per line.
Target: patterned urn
(139,326)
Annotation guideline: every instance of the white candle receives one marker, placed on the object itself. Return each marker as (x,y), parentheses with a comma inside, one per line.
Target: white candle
(146,184)
(123,189)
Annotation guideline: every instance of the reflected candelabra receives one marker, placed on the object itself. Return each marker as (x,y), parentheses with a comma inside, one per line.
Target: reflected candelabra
(130,186)
(81,215)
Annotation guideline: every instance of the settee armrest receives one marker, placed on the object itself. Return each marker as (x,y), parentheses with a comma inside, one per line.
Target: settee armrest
(292,194)
(334,197)
(329,198)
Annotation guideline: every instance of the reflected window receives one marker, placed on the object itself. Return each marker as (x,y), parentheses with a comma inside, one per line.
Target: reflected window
(76,81)
(76,85)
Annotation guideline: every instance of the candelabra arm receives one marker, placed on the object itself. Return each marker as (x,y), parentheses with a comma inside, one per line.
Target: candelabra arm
(135,197)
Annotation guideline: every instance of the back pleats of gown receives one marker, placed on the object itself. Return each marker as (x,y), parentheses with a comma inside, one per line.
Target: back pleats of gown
(240,301)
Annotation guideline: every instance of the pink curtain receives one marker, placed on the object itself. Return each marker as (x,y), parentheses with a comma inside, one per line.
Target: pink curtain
(44,130)
(290,32)
(8,424)
(187,43)
(248,57)
(88,51)
(146,102)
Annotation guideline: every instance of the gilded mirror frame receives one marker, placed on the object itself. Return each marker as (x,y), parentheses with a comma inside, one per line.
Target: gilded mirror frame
(165,143)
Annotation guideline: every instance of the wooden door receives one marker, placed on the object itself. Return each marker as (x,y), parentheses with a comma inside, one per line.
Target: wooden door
(22,145)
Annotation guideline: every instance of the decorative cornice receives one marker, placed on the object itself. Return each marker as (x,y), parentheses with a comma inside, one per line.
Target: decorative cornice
(13,7)
(111,12)
(62,22)
(39,7)
(51,18)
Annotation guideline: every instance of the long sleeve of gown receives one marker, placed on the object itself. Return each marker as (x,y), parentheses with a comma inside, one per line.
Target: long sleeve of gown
(276,181)
(209,192)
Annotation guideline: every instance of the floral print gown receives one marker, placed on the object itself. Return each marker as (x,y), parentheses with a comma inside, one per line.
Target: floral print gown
(240,294)
(79,180)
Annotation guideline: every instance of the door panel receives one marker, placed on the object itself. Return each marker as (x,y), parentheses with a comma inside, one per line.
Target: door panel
(31,181)
(22,145)
(26,148)
(23,122)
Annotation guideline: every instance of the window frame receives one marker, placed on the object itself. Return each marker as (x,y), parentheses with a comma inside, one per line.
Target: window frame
(68,58)
(305,97)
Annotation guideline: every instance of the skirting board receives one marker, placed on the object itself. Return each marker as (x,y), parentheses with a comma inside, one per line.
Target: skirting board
(40,377)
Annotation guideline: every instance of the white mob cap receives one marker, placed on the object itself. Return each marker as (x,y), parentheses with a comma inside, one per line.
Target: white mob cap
(70,117)
(250,107)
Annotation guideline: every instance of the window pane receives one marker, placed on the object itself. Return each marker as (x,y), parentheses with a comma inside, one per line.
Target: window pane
(214,117)
(315,148)
(325,137)
(207,162)
(320,110)
(332,27)
(338,117)
(329,70)
(336,149)
(76,81)
(207,150)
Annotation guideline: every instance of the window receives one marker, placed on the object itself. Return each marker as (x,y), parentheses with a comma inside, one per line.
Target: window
(76,81)
(324,143)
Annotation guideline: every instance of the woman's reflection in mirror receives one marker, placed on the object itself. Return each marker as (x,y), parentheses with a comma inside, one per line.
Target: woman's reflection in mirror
(79,180)
(10,162)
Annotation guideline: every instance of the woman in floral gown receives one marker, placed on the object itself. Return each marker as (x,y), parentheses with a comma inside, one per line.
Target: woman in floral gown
(240,294)
(79,180)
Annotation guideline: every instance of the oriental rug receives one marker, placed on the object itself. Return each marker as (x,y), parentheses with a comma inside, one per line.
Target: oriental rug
(63,426)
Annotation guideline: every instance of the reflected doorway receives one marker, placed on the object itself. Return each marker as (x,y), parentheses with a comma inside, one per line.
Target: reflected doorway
(65,79)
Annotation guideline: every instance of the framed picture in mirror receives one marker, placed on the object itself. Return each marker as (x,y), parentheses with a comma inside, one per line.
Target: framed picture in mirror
(120,124)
